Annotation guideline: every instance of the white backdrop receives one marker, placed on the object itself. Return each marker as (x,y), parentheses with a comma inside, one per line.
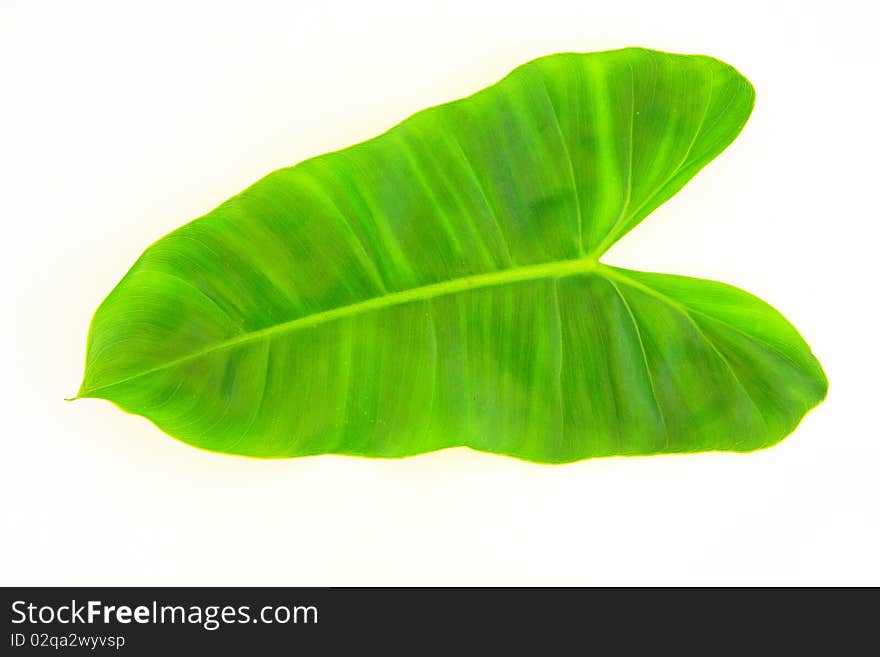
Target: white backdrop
(120,122)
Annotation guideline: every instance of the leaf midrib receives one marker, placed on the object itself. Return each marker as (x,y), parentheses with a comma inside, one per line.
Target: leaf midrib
(547,270)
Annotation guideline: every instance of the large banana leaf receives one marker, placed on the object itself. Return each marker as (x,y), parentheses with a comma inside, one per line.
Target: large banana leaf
(439,286)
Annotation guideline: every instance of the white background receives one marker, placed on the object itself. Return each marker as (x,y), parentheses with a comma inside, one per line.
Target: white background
(121,121)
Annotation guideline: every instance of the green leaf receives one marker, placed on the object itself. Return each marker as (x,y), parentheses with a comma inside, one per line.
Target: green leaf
(439,286)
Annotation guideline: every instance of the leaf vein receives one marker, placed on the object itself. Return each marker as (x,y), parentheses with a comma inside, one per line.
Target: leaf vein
(644,352)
